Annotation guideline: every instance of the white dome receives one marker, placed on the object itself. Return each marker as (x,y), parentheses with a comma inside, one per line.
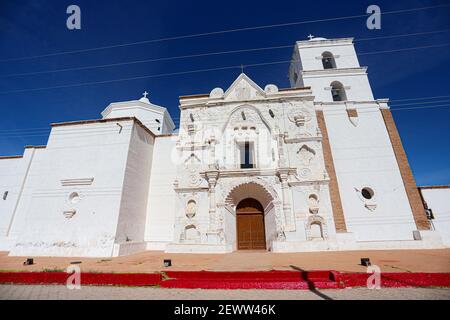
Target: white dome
(318,39)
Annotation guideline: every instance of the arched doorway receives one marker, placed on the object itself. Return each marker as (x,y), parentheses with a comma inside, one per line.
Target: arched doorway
(250,227)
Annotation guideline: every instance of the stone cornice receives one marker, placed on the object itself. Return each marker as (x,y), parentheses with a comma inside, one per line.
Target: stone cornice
(334,72)
(278,97)
(382,103)
(232,173)
(308,182)
(191,189)
(323,42)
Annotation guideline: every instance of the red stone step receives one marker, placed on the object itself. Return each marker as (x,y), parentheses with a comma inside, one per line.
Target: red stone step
(275,275)
(250,280)
(234,280)
(126,279)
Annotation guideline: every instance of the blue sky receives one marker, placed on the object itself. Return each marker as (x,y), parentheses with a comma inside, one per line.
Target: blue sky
(31,28)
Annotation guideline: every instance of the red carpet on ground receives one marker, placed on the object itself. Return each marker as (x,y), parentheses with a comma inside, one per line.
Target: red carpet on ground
(234,280)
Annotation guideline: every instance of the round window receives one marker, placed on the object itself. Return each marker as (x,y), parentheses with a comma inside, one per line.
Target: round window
(367,193)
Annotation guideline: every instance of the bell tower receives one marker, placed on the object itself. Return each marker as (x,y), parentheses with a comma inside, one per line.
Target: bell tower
(331,68)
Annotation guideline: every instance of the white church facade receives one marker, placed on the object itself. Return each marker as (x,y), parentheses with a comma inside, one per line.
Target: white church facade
(318,166)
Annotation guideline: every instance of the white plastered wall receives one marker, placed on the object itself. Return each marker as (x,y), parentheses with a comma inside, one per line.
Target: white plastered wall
(133,208)
(92,158)
(161,202)
(13,173)
(438,200)
(363,157)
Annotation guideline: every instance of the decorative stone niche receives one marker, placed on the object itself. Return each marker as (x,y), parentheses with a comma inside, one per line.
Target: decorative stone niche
(306,155)
(313,203)
(191,209)
(316,231)
(190,234)
(316,228)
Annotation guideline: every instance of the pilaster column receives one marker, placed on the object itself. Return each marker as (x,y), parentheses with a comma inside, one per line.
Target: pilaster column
(211,177)
(212,153)
(287,207)
(281,157)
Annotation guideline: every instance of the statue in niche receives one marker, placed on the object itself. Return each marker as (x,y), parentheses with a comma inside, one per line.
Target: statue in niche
(191,209)
(306,155)
(313,202)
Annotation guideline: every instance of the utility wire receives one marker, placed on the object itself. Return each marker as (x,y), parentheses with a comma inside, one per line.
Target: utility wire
(416,103)
(423,107)
(196,56)
(220,32)
(420,98)
(33,132)
(202,70)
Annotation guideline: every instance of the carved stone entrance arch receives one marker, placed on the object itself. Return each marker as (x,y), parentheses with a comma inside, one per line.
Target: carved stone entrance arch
(262,191)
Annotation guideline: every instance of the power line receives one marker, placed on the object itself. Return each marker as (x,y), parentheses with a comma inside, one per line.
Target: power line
(29,135)
(121,79)
(38,132)
(401,35)
(416,103)
(421,98)
(197,55)
(201,70)
(219,32)
(146,61)
(422,107)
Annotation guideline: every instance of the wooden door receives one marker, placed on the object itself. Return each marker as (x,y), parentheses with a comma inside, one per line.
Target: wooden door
(250,225)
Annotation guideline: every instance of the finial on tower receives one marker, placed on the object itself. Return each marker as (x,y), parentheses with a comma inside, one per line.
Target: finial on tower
(310,36)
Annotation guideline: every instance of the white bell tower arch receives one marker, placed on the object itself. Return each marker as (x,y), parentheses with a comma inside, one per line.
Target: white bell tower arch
(320,62)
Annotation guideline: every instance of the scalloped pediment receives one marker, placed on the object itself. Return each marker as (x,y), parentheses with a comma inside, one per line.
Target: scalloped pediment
(243,89)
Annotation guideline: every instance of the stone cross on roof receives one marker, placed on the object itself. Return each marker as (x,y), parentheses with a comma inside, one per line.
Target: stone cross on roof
(310,36)
(145,97)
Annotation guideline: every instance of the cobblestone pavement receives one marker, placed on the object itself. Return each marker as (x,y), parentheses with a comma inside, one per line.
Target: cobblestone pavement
(8,292)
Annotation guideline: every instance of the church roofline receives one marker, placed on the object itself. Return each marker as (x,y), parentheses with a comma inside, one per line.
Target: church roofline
(294,89)
(194,96)
(132,103)
(434,187)
(252,83)
(324,42)
(140,104)
(71,123)
(204,98)
(166,135)
(10,157)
